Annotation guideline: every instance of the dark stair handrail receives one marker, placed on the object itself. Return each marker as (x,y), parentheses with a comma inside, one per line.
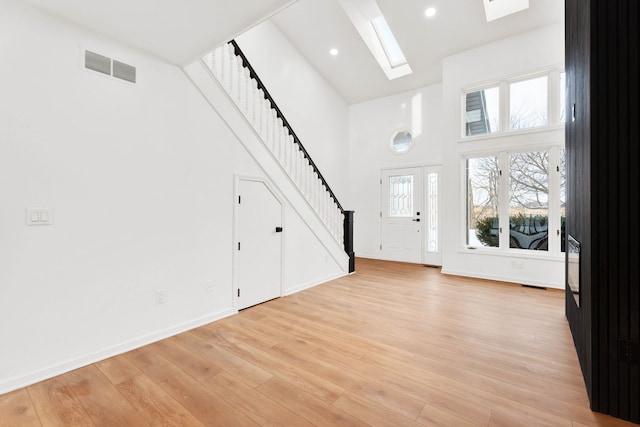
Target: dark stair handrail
(347,215)
(296,140)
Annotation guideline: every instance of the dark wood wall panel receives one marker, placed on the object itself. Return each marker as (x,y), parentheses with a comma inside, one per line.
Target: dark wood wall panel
(578,148)
(603,209)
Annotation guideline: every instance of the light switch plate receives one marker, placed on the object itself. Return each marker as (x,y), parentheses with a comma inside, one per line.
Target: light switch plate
(39,216)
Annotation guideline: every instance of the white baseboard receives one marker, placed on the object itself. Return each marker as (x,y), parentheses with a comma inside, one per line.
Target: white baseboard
(21,381)
(368,256)
(503,279)
(313,283)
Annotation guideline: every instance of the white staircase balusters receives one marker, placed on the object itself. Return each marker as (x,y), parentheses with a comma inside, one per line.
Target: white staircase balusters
(236,80)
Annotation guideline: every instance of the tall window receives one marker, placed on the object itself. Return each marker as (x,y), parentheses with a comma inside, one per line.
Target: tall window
(529,200)
(508,200)
(482,201)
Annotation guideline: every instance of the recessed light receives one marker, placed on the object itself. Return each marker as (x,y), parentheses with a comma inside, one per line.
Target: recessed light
(334,52)
(430,12)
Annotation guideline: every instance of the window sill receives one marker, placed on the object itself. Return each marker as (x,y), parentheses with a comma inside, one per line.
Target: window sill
(512,133)
(514,253)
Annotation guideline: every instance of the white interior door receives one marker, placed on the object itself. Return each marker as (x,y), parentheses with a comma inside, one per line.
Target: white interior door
(259,244)
(401,215)
(431,233)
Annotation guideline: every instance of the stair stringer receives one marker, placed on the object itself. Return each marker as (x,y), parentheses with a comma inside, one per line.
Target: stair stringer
(226,109)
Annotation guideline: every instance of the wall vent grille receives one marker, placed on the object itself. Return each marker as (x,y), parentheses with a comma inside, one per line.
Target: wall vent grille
(97,62)
(105,65)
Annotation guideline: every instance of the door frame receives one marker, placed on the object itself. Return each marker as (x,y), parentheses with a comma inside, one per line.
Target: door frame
(234,244)
(423,167)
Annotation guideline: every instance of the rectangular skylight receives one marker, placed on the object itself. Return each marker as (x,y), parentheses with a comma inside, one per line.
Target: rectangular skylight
(389,43)
(496,9)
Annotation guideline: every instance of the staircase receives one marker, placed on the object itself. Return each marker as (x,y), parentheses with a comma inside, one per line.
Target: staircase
(242,85)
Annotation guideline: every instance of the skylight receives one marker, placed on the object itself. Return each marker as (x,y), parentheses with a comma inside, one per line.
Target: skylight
(496,9)
(389,43)
(367,18)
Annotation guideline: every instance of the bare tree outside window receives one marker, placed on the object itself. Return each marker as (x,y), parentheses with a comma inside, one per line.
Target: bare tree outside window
(483,177)
(528,103)
(529,200)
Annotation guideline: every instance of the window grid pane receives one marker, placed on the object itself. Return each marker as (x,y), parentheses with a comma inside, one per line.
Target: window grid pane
(483,225)
(401,196)
(529,200)
(482,113)
(528,103)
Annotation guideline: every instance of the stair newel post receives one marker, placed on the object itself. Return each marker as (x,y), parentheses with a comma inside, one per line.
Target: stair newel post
(348,239)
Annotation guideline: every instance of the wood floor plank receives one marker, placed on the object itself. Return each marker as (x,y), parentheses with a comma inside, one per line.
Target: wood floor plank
(205,405)
(101,399)
(432,416)
(191,363)
(155,404)
(118,369)
(56,404)
(305,380)
(246,371)
(309,407)
(372,413)
(16,410)
(256,405)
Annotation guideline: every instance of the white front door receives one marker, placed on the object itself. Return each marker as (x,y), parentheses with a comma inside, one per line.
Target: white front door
(432,244)
(401,215)
(259,243)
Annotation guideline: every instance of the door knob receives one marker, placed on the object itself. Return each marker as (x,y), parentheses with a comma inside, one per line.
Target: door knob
(278,229)
(416,220)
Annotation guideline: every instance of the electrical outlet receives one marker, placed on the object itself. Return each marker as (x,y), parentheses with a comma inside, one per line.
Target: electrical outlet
(629,352)
(161,296)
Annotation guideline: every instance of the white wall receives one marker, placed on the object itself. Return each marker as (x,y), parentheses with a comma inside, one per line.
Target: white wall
(529,52)
(317,114)
(140,178)
(371,127)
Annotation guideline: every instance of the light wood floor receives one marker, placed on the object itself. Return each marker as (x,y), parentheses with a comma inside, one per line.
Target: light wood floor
(393,345)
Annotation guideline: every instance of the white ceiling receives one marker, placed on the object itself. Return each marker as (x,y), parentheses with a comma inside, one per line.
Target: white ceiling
(315,26)
(179,31)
